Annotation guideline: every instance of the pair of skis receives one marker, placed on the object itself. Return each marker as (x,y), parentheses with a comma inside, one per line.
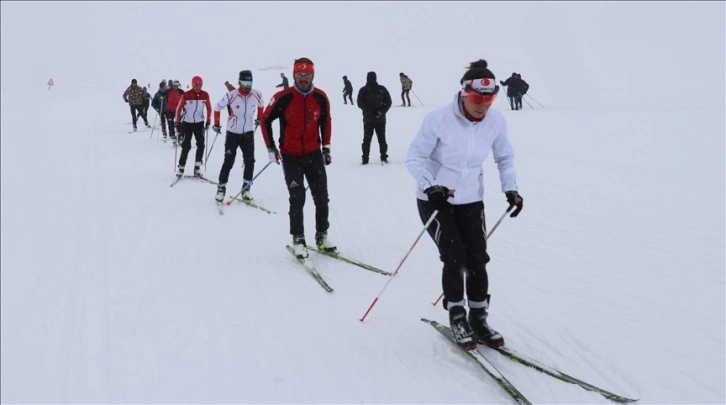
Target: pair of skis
(201,178)
(481,361)
(310,267)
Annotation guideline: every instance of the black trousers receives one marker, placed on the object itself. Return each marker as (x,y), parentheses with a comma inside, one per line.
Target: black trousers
(459,233)
(246,143)
(162,119)
(380,129)
(297,169)
(347,96)
(405,93)
(189,129)
(140,110)
(170,115)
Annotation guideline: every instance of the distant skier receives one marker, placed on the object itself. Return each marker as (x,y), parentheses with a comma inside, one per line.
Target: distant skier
(285,84)
(193,104)
(158,103)
(347,91)
(173,97)
(134,96)
(406,86)
(446,160)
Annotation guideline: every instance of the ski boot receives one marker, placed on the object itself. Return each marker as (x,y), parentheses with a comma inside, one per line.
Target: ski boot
(460,330)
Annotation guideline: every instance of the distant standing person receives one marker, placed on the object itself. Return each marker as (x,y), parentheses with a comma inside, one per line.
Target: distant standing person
(406,85)
(285,84)
(190,120)
(242,103)
(446,160)
(347,91)
(375,101)
(134,96)
(305,128)
(523,88)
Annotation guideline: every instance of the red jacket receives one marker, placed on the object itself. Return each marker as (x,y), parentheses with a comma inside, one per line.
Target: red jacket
(304,121)
(172,99)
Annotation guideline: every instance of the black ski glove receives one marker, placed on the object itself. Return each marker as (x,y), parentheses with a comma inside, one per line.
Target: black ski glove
(437,196)
(326,156)
(514,199)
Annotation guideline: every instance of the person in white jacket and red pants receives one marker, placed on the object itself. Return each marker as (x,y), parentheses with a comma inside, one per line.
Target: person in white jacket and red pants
(446,160)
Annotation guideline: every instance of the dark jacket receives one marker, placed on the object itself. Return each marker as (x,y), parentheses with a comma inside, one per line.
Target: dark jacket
(348,89)
(374,100)
(158,103)
(285,84)
(514,86)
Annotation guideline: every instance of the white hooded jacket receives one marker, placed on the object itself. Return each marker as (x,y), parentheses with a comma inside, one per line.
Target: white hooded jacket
(449,150)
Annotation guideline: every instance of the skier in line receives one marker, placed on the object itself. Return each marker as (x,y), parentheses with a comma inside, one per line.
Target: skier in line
(189,120)
(241,104)
(173,97)
(134,96)
(375,101)
(145,100)
(305,127)
(347,91)
(158,103)
(445,159)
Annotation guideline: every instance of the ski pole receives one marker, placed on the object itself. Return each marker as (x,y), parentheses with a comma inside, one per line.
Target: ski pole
(419,100)
(487,238)
(528,103)
(210,151)
(540,104)
(206,142)
(431,219)
(153,127)
(246,185)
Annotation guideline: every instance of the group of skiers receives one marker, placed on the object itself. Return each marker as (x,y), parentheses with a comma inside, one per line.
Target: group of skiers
(449,190)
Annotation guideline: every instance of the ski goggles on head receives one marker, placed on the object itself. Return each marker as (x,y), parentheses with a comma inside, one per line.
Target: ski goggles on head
(245,83)
(480,91)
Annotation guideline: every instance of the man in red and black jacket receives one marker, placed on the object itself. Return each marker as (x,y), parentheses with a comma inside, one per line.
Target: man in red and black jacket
(305,128)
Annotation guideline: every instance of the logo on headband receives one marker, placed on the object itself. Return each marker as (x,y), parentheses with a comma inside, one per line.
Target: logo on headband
(303,68)
(482,86)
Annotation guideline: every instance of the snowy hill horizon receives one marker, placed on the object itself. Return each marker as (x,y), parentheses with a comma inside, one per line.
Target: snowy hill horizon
(116,288)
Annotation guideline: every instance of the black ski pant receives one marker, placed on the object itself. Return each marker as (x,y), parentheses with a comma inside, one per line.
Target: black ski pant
(518,101)
(138,109)
(246,143)
(170,115)
(189,129)
(162,119)
(297,169)
(380,129)
(460,235)
(347,96)
(405,92)
(513,102)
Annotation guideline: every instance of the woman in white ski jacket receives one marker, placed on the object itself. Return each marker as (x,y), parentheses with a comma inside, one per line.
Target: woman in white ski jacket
(445,159)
